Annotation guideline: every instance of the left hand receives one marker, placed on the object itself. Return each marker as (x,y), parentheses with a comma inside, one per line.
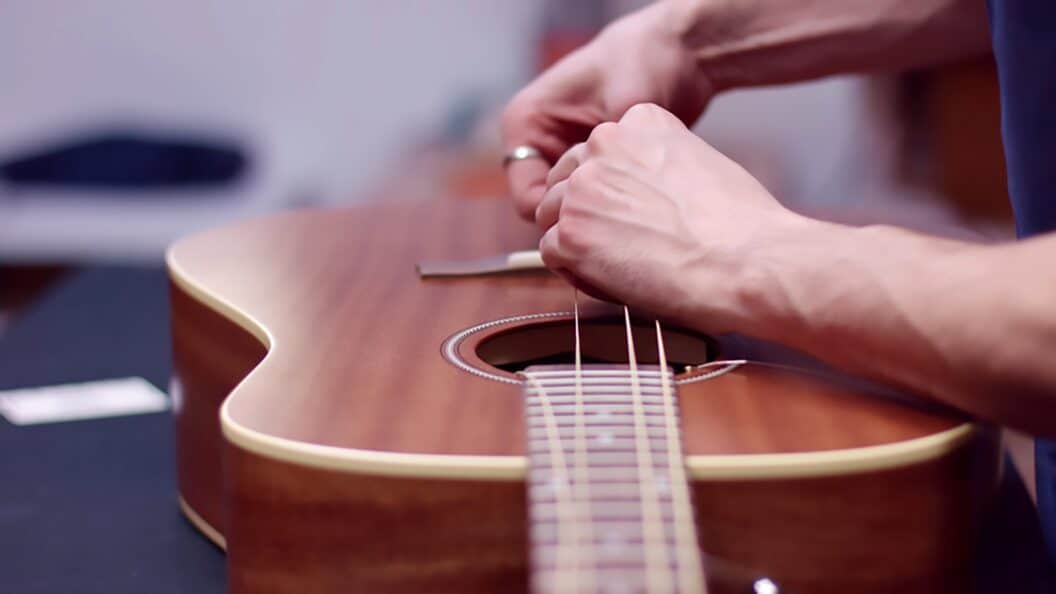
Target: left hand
(648,214)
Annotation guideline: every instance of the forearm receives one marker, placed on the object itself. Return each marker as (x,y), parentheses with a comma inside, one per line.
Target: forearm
(738,43)
(973,326)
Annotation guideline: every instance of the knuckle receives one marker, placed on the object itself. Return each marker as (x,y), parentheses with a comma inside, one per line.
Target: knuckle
(604,134)
(582,178)
(548,249)
(649,114)
(551,247)
(642,110)
(576,228)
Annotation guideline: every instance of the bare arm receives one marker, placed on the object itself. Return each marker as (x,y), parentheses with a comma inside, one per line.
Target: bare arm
(738,43)
(971,325)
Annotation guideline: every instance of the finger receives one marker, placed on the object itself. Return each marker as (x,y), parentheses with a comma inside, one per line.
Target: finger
(590,288)
(527,181)
(559,264)
(550,250)
(566,164)
(549,210)
(527,177)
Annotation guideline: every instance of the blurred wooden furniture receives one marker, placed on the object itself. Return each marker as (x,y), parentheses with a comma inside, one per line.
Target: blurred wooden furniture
(952,120)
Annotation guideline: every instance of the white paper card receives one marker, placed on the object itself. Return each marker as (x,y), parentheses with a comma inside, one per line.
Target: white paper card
(88,400)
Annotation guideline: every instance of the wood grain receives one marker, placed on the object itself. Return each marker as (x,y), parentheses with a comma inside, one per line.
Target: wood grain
(211,355)
(335,287)
(353,364)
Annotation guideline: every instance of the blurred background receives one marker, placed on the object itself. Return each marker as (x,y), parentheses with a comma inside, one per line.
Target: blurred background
(127,124)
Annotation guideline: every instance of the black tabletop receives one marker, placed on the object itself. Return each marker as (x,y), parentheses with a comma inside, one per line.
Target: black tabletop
(90,506)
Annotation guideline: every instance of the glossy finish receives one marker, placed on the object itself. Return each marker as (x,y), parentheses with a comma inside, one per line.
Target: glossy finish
(220,354)
(353,366)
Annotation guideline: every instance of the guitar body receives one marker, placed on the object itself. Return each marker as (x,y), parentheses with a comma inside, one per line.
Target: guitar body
(346,426)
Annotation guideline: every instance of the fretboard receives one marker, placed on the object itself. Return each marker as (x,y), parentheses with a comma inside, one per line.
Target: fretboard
(609,503)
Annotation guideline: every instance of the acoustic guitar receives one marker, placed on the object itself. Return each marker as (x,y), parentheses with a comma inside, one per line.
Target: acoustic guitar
(346,424)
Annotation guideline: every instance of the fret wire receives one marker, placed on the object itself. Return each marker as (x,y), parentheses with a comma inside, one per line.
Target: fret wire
(632,525)
(653,394)
(601,399)
(599,373)
(607,456)
(620,445)
(614,493)
(603,511)
(650,386)
(610,458)
(604,436)
(630,536)
(655,410)
(628,555)
(629,532)
(603,407)
(608,436)
(600,484)
(632,473)
(603,413)
(648,421)
(652,383)
(652,531)
(607,417)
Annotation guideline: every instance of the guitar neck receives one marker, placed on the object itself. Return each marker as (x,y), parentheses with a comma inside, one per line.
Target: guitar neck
(610,505)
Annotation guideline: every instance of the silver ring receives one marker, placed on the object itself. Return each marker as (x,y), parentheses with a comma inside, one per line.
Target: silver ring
(520,153)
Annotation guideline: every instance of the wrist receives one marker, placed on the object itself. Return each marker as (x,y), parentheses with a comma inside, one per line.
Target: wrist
(710,33)
(797,258)
(812,282)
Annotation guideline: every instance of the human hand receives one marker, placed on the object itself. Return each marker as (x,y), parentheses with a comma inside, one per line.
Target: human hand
(647,214)
(638,59)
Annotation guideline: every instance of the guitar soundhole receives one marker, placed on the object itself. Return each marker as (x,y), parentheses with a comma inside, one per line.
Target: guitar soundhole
(603,340)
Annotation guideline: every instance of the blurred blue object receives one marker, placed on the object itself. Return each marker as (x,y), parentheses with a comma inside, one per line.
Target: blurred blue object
(130,160)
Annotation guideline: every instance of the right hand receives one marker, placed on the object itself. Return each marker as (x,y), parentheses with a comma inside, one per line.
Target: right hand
(637,59)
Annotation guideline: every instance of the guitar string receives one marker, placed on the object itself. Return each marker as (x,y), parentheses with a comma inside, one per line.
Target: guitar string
(582,481)
(688,561)
(690,572)
(563,581)
(657,577)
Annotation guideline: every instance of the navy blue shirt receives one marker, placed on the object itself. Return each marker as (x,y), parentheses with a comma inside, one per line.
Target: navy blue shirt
(1024,39)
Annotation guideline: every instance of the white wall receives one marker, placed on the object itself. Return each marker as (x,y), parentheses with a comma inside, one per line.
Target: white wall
(328,87)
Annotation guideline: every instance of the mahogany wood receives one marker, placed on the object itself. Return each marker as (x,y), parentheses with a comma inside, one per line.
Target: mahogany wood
(299,530)
(353,362)
(220,355)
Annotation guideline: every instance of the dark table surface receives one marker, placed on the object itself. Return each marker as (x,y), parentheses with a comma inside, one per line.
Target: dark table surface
(90,506)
